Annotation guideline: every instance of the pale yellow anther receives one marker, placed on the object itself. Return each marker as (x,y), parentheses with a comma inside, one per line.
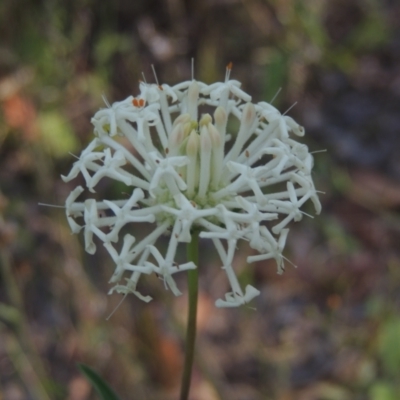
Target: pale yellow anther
(193,144)
(214,135)
(188,127)
(205,140)
(182,119)
(220,116)
(205,119)
(175,140)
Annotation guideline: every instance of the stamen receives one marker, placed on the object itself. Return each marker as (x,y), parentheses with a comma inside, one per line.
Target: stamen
(294,265)
(103,96)
(289,108)
(50,205)
(228,71)
(318,151)
(155,74)
(116,308)
(276,95)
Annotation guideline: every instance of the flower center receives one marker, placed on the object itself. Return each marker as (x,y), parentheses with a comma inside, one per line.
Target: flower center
(202,174)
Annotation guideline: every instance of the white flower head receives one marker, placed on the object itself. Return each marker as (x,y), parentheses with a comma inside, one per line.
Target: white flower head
(185,175)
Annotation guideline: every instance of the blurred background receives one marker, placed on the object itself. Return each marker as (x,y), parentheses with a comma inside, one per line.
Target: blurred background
(328,330)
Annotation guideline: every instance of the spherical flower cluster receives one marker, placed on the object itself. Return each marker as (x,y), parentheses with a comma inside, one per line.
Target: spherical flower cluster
(233,173)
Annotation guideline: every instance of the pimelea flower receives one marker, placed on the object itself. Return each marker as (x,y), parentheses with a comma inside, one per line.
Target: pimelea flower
(234,172)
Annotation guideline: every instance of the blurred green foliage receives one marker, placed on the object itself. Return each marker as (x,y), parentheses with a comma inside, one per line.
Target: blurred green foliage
(388,346)
(58,136)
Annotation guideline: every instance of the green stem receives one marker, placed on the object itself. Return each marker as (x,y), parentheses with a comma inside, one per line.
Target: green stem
(193,274)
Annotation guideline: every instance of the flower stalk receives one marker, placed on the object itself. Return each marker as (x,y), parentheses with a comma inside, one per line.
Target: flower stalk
(192,279)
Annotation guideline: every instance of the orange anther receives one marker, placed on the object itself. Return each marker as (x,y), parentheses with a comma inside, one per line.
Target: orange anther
(229,66)
(138,102)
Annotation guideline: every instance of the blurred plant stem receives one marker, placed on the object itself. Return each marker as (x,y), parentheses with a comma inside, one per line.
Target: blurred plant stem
(21,351)
(193,279)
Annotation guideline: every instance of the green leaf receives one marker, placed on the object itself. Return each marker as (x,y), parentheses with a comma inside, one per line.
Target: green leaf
(102,387)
